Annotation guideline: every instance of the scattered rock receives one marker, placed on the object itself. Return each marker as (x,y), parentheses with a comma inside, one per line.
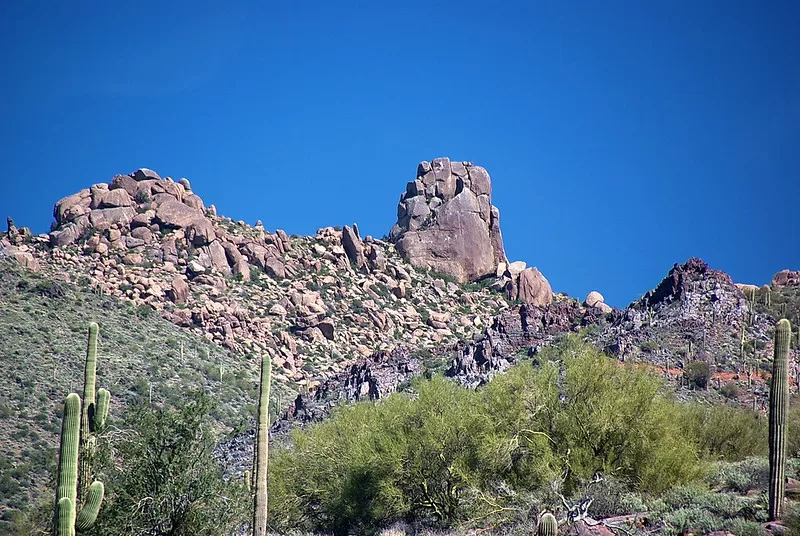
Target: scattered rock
(145,174)
(593,298)
(179,290)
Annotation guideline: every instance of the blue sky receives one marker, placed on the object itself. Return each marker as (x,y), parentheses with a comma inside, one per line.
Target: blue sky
(621,137)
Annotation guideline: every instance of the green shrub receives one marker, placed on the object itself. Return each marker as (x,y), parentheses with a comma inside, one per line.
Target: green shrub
(688,520)
(450,454)
(725,432)
(698,373)
(730,390)
(742,476)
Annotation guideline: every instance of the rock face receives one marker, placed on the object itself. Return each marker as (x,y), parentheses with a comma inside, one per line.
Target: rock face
(786,278)
(695,313)
(446,221)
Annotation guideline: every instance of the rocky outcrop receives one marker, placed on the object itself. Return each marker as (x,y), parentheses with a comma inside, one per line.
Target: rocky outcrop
(596,300)
(351,242)
(127,213)
(695,313)
(786,278)
(446,222)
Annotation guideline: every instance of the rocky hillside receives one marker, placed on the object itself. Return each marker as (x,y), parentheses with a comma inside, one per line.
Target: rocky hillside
(188,297)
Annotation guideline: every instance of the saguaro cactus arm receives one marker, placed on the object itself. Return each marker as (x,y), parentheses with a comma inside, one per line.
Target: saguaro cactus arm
(91,507)
(66,517)
(103,402)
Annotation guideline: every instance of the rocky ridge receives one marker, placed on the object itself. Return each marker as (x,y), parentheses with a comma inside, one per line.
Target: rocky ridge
(312,303)
(696,313)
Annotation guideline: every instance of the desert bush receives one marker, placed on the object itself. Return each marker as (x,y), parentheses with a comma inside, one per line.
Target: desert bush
(729,390)
(449,454)
(165,479)
(698,373)
(741,476)
(725,432)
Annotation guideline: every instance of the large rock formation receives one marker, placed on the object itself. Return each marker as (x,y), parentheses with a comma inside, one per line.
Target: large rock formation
(446,221)
(786,278)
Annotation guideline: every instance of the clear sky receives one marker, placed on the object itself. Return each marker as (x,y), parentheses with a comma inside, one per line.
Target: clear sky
(621,137)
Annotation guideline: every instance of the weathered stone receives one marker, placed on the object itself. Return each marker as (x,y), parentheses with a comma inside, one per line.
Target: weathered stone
(194,201)
(593,298)
(275,268)
(125,182)
(786,278)
(533,288)
(102,219)
(284,238)
(145,174)
(237,261)
(481,183)
(178,291)
(213,256)
(175,214)
(201,232)
(438,320)
(25,259)
(353,246)
(377,258)
(277,310)
(66,235)
(446,225)
(445,181)
(168,187)
(132,242)
(458,245)
(110,198)
(132,259)
(142,233)
(68,208)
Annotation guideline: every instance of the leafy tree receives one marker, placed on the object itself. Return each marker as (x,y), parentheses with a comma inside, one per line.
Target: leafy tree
(165,481)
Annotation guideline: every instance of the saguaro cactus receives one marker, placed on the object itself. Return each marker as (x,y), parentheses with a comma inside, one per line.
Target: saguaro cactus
(548,526)
(78,448)
(778,406)
(261,451)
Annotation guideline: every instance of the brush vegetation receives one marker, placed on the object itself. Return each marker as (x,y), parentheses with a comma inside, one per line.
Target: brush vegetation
(537,437)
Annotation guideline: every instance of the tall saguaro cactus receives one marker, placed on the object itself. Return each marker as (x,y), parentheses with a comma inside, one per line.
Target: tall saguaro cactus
(778,406)
(77,451)
(262,451)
